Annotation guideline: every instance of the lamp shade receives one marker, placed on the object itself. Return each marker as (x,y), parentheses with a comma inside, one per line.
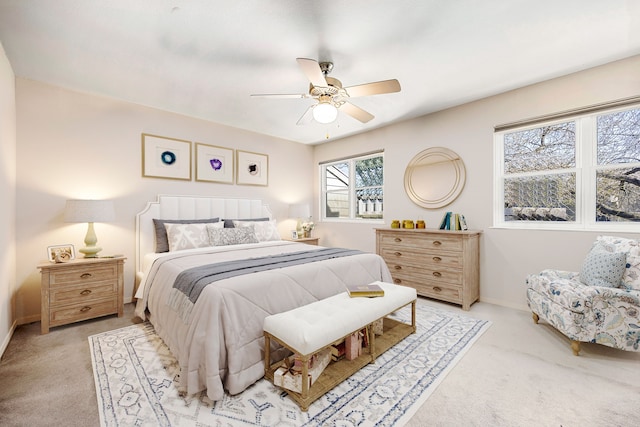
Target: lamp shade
(299,211)
(89,211)
(325,112)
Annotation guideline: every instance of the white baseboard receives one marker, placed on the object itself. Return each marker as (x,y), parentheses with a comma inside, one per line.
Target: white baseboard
(5,342)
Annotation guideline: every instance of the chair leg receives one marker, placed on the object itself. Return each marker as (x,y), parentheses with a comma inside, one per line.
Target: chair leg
(535,318)
(575,346)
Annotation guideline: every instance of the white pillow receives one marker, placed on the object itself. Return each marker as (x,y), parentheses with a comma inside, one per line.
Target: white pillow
(189,236)
(265,230)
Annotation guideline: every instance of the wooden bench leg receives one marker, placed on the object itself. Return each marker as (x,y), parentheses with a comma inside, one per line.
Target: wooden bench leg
(267,354)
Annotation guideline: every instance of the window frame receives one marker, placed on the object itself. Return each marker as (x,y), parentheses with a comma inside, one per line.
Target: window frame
(586,168)
(351,189)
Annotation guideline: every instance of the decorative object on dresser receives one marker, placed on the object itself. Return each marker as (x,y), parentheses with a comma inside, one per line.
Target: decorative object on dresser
(439,264)
(80,289)
(89,211)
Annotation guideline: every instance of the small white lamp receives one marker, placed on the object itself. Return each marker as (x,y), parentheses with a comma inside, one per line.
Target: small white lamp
(299,211)
(89,211)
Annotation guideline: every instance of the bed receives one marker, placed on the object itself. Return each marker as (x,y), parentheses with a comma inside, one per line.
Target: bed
(214,326)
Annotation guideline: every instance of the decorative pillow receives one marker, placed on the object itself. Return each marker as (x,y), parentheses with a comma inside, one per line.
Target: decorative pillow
(265,230)
(189,236)
(162,245)
(231,236)
(602,268)
(631,276)
(228,223)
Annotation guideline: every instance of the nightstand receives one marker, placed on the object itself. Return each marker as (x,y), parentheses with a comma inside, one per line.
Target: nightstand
(307,240)
(80,289)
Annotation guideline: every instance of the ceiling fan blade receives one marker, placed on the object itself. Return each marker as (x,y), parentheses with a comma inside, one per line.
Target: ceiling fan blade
(306,117)
(282,95)
(356,112)
(311,69)
(376,88)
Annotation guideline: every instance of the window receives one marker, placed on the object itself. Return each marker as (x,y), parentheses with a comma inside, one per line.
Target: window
(352,189)
(581,173)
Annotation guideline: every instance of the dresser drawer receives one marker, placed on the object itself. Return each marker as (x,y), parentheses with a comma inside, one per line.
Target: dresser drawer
(81,293)
(441,291)
(73,313)
(410,256)
(421,241)
(82,275)
(424,274)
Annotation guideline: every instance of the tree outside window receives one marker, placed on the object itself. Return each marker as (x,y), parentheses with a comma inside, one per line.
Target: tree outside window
(353,188)
(581,172)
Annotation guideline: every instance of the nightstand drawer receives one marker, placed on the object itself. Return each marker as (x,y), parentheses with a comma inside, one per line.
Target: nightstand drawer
(79,293)
(83,275)
(76,312)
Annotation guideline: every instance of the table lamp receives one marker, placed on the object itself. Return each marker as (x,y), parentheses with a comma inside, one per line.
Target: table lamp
(299,211)
(89,211)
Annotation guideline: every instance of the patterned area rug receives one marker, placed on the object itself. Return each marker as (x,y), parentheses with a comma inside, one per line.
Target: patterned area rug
(135,377)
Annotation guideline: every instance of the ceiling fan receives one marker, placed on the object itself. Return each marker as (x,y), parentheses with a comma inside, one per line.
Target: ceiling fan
(330,94)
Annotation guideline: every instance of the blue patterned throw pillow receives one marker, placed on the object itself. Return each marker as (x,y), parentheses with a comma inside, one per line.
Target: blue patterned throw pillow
(602,268)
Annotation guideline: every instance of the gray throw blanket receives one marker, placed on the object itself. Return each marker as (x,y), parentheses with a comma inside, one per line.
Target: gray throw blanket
(191,282)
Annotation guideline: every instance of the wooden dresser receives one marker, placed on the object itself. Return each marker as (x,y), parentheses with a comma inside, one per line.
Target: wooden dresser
(439,264)
(80,289)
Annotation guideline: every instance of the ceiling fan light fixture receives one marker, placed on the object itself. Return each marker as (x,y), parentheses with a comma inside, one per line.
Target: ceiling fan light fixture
(325,112)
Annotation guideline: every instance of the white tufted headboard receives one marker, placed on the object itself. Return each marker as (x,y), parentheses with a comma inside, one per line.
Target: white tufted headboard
(190,207)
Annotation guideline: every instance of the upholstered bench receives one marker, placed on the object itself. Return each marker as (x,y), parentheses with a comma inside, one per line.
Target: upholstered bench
(312,328)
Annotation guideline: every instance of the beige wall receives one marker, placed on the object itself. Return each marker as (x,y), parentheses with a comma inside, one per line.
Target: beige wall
(8,205)
(74,145)
(507,255)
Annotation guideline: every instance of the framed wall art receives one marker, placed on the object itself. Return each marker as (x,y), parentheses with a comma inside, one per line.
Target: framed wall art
(252,168)
(61,253)
(214,164)
(164,157)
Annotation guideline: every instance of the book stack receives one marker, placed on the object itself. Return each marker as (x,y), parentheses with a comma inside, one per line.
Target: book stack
(453,221)
(370,290)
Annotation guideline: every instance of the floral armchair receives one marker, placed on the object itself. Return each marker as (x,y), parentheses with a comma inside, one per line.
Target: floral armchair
(600,304)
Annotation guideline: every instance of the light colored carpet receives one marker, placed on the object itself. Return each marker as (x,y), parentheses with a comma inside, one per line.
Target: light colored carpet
(135,378)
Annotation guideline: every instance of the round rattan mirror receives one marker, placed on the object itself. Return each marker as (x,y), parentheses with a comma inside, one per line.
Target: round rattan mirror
(434,177)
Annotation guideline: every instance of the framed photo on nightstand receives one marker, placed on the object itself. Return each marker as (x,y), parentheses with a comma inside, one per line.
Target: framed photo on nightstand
(61,253)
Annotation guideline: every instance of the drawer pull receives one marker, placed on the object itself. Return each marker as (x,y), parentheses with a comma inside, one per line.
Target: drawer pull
(437,259)
(437,288)
(437,243)
(85,292)
(397,240)
(397,281)
(437,274)
(398,253)
(85,309)
(86,275)
(397,267)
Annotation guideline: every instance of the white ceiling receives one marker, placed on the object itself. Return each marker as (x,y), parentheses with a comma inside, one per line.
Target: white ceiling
(203,58)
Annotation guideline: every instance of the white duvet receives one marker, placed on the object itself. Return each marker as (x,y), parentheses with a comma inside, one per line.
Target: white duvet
(221,346)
